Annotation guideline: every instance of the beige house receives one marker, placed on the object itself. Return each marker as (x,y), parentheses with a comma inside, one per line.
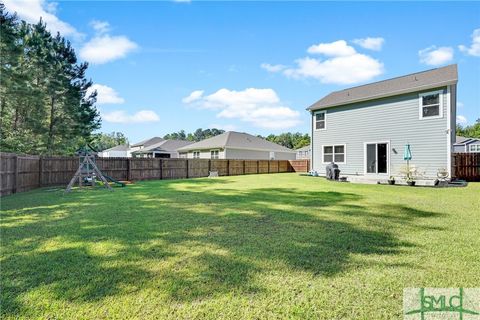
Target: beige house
(236,145)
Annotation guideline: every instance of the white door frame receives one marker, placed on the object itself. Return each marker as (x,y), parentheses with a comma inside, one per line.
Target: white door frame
(387,142)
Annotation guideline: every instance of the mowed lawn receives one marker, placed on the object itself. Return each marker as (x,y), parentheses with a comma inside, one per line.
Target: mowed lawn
(245,247)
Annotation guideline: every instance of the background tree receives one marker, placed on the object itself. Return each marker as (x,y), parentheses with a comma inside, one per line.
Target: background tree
(44,106)
(197,135)
(290,140)
(472,131)
(103,141)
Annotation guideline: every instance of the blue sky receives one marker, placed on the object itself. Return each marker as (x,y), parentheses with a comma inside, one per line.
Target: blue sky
(254,66)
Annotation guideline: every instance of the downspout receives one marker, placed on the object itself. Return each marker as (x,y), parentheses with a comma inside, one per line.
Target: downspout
(311,140)
(449,131)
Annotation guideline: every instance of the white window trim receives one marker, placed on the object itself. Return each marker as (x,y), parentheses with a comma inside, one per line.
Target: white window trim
(440,104)
(477,147)
(334,145)
(315,120)
(193,154)
(218,152)
(365,158)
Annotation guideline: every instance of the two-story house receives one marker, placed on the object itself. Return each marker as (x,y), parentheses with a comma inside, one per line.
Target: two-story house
(365,129)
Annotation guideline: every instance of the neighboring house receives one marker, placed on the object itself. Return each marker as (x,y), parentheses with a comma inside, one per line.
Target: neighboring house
(365,129)
(463,144)
(145,143)
(117,151)
(303,152)
(236,145)
(162,149)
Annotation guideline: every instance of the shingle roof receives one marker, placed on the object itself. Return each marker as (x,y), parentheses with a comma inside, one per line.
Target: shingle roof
(464,140)
(306,148)
(236,140)
(122,147)
(165,145)
(410,83)
(148,142)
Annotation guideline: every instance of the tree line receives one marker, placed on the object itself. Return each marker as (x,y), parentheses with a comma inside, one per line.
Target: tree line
(44,104)
(288,139)
(472,131)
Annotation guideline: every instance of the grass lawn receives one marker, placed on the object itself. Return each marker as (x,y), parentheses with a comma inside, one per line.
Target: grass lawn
(245,247)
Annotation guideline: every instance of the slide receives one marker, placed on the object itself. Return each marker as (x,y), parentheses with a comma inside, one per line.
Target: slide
(121,184)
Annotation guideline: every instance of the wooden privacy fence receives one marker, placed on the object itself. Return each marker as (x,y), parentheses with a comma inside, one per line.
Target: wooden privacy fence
(466,166)
(20,173)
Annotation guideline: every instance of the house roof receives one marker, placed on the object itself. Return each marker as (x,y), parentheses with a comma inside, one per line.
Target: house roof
(463,140)
(122,147)
(148,142)
(424,80)
(165,145)
(306,148)
(236,140)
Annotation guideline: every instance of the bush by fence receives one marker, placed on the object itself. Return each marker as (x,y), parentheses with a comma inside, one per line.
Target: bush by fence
(20,173)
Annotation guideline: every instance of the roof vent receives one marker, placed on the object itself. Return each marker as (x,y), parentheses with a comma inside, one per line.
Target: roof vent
(416,78)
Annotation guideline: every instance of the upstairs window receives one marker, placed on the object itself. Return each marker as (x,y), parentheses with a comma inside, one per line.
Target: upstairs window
(214,154)
(196,154)
(320,121)
(431,105)
(335,153)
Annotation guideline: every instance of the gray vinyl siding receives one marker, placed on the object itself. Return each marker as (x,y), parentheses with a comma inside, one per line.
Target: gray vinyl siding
(461,148)
(394,119)
(257,154)
(205,154)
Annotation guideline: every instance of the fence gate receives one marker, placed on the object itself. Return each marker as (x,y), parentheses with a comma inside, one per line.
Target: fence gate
(466,166)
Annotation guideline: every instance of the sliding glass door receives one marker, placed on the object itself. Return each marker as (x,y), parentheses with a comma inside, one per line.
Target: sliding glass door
(376,158)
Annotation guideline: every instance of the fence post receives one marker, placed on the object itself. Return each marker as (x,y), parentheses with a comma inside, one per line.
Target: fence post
(129,169)
(161,169)
(258,164)
(268,166)
(40,171)
(15,174)
(186,160)
(228,167)
(209,166)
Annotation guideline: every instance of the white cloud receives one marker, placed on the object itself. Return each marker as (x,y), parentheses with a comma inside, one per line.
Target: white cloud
(461,119)
(194,96)
(370,43)
(474,49)
(260,107)
(272,67)
(121,116)
(338,48)
(32,10)
(436,56)
(343,65)
(183,1)
(339,70)
(105,94)
(100,26)
(105,48)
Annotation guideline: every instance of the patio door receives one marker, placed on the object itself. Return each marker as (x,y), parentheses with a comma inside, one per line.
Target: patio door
(376,158)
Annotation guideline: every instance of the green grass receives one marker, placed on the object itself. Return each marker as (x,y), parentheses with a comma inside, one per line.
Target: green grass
(245,247)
